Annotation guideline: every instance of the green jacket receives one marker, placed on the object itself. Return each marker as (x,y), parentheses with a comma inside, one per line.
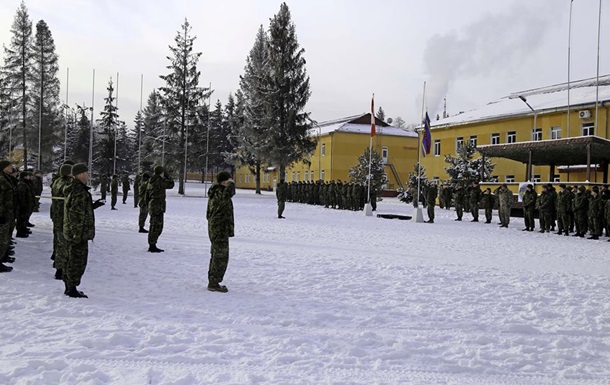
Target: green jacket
(475,196)
(7,197)
(431,195)
(25,196)
(220,211)
(141,188)
(79,220)
(546,202)
(529,199)
(488,200)
(155,193)
(58,201)
(563,201)
(595,206)
(280,192)
(126,183)
(581,202)
(114,186)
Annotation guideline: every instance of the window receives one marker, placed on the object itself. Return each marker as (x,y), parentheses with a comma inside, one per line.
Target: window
(323,150)
(322,175)
(437,148)
(311,176)
(494,178)
(537,134)
(588,129)
(384,154)
(511,137)
(510,179)
(293,180)
(556,132)
(266,178)
(248,178)
(459,143)
(305,176)
(473,141)
(239,179)
(298,176)
(536,179)
(495,138)
(556,178)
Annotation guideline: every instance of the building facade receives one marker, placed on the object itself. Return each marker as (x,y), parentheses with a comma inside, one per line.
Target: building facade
(339,144)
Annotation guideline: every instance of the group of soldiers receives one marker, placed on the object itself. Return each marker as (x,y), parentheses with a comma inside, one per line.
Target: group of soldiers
(19,198)
(330,194)
(111,185)
(572,209)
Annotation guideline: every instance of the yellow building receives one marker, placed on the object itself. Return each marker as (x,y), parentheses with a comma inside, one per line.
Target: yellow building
(528,135)
(339,144)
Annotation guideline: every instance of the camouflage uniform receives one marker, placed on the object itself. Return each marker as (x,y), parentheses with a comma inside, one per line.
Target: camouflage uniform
(78,229)
(563,201)
(474,198)
(104,187)
(431,195)
(141,188)
(136,188)
(57,217)
(220,228)
(280,194)
(7,212)
(458,199)
(505,200)
(595,208)
(546,210)
(581,206)
(529,206)
(125,183)
(488,204)
(114,191)
(155,192)
(25,204)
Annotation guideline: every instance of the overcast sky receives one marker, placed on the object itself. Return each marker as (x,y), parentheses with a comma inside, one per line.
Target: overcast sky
(471,51)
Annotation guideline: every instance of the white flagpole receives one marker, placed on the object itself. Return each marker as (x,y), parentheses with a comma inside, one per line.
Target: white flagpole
(419,216)
(66,115)
(569,61)
(91,127)
(371,148)
(116,127)
(599,27)
(140,129)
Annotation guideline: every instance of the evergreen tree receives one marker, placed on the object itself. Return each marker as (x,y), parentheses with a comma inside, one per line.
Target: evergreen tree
(126,147)
(139,130)
(78,145)
(7,115)
(47,122)
(153,136)
(219,138)
(198,139)
(107,129)
(380,114)
(410,194)
(359,173)
(286,95)
(399,122)
(19,71)
(251,126)
(465,170)
(181,96)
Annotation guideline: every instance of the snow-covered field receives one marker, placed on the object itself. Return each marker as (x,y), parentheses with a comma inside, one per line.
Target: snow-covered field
(322,297)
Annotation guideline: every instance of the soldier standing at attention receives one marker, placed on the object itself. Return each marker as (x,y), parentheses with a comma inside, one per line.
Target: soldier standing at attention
(475,197)
(25,204)
(126,187)
(595,207)
(155,193)
(529,205)
(7,214)
(141,188)
(546,213)
(431,195)
(114,191)
(104,186)
(581,207)
(563,201)
(79,229)
(220,228)
(505,197)
(57,216)
(280,194)
(458,200)
(488,204)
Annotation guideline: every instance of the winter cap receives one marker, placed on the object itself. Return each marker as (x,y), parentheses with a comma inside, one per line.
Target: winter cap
(531,186)
(146,176)
(549,185)
(562,185)
(71,163)
(65,170)
(159,170)
(595,189)
(581,189)
(4,164)
(222,176)
(79,168)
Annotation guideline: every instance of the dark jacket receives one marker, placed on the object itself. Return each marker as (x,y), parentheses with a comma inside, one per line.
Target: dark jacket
(79,220)
(220,211)
(155,193)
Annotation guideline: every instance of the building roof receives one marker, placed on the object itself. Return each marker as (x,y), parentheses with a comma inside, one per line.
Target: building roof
(359,124)
(543,100)
(565,152)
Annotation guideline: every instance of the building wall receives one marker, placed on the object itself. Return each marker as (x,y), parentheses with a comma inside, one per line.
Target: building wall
(522,126)
(336,153)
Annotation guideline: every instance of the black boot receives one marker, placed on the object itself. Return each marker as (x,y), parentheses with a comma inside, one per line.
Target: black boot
(30,224)
(73,293)
(152,248)
(217,287)
(7,259)
(5,269)
(22,234)
(59,274)
(143,230)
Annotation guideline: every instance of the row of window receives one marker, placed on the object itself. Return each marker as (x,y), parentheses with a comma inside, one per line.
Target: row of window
(511,137)
(384,152)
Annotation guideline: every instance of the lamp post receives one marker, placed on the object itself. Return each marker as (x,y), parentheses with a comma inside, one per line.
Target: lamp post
(524,100)
(315,123)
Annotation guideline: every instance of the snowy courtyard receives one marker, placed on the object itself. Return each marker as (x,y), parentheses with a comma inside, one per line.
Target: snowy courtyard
(322,297)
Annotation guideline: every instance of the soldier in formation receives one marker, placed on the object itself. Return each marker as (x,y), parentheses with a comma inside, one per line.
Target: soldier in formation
(474,199)
(155,199)
(281,191)
(114,191)
(431,195)
(220,228)
(59,187)
(458,200)
(332,194)
(104,186)
(141,188)
(529,206)
(505,203)
(488,201)
(126,185)
(7,215)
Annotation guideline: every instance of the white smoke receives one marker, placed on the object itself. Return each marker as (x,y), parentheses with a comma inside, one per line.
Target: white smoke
(495,44)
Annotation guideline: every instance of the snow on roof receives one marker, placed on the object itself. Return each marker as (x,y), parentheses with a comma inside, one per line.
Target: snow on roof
(346,125)
(542,100)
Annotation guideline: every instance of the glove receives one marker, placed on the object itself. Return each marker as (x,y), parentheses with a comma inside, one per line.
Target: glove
(98,203)
(2,221)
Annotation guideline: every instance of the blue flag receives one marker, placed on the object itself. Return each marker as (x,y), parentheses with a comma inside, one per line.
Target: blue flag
(427,140)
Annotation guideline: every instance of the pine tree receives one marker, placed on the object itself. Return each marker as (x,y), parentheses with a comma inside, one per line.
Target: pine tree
(78,145)
(399,122)
(380,114)
(359,173)
(181,96)
(287,92)
(18,67)
(153,136)
(107,126)
(465,170)
(250,131)
(219,138)
(139,131)
(47,122)
(410,194)
(198,139)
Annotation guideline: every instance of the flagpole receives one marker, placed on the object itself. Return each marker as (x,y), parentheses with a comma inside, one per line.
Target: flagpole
(599,27)
(368,210)
(91,127)
(419,216)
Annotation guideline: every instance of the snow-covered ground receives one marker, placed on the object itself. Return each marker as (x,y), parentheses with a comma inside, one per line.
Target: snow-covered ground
(322,297)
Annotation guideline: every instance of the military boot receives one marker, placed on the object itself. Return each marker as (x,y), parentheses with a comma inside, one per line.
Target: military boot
(73,293)
(59,274)
(5,269)
(142,230)
(152,248)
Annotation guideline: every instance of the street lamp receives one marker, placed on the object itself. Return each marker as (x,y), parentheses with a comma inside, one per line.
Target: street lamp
(524,100)
(315,123)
